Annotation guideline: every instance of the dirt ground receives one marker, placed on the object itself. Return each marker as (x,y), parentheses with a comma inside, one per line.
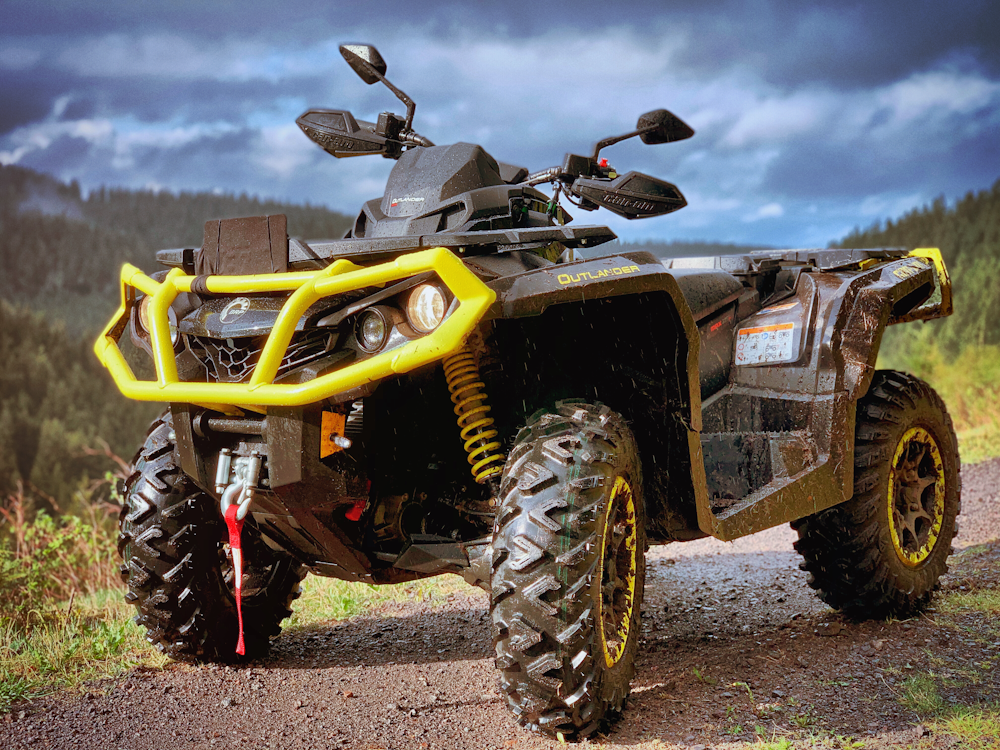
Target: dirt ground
(737,651)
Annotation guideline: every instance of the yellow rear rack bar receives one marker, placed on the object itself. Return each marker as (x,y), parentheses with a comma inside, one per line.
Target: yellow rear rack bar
(473,296)
(946,306)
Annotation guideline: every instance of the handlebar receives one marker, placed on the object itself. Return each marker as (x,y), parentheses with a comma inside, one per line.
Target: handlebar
(546,175)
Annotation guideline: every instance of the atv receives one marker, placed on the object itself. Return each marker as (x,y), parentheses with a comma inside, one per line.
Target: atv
(454,388)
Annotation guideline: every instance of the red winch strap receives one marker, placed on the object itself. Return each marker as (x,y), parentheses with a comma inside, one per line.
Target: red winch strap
(235,527)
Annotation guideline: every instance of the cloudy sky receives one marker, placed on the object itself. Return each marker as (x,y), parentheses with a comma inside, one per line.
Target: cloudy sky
(810,119)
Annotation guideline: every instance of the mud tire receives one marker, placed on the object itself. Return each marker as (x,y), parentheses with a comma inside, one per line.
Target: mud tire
(180,577)
(547,573)
(849,549)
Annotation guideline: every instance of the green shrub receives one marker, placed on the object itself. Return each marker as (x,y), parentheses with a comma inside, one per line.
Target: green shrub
(47,560)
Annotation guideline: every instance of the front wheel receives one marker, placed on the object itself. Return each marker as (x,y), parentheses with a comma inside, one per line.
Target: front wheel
(180,577)
(881,553)
(568,570)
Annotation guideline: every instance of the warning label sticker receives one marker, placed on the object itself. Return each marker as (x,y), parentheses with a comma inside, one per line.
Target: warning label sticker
(757,346)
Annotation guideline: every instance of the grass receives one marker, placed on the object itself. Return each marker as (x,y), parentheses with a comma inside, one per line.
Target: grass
(326,599)
(969,385)
(65,648)
(920,695)
(61,648)
(975,729)
(782,743)
(986,601)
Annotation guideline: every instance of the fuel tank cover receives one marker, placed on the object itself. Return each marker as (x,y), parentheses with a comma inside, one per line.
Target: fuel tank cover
(425,178)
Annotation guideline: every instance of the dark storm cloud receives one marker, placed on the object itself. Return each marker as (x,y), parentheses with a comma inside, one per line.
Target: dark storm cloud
(836,42)
(810,118)
(153,100)
(843,44)
(816,170)
(28,96)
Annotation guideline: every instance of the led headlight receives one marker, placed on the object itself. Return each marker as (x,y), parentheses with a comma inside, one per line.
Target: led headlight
(372,330)
(144,318)
(425,307)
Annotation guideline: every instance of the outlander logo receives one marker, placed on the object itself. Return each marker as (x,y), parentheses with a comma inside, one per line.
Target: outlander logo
(576,278)
(234,309)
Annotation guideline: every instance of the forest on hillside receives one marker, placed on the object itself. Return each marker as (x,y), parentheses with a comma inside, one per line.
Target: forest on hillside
(60,254)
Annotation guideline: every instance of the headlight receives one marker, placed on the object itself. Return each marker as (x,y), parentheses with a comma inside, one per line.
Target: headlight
(425,307)
(372,330)
(144,318)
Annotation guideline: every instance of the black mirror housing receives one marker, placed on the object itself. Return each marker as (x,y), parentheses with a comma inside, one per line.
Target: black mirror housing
(365,61)
(662,126)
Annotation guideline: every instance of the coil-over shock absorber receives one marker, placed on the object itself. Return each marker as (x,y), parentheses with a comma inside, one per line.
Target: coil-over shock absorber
(468,393)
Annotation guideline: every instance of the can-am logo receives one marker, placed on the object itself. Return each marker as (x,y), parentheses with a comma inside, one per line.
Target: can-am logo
(234,309)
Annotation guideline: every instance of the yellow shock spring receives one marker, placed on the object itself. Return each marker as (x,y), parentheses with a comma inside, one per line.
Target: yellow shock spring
(469,396)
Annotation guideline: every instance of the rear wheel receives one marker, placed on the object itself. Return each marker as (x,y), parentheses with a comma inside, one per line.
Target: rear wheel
(179,575)
(881,553)
(568,570)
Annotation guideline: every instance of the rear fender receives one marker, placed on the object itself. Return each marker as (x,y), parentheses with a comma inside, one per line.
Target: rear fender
(911,289)
(789,423)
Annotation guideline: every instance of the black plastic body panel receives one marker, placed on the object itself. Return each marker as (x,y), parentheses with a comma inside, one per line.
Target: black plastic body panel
(471,243)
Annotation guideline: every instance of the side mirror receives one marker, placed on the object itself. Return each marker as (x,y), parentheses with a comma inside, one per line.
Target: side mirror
(365,60)
(661,126)
(368,63)
(658,126)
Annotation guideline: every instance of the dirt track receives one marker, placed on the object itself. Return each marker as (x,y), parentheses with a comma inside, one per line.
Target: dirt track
(734,639)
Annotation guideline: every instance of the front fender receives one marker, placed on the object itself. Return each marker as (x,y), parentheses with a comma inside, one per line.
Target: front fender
(602,288)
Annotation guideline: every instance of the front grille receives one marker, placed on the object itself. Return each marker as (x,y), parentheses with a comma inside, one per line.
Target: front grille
(233,360)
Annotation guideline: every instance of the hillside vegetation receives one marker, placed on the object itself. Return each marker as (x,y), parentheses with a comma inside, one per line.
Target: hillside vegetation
(968,235)
(60,255)
(61,252)
(958,355)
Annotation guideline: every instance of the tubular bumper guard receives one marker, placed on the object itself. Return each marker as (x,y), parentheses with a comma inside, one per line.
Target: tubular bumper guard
(473,296)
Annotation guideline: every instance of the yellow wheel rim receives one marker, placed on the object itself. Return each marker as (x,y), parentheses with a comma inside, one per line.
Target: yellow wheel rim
(916,496)
(619,562)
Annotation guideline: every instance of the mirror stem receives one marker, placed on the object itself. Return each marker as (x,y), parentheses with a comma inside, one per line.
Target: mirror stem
(411,106)
(609,141)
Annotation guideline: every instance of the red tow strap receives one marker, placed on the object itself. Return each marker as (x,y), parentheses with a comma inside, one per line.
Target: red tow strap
(235,527)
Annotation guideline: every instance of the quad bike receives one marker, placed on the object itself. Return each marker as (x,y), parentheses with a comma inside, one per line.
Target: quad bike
(452,389)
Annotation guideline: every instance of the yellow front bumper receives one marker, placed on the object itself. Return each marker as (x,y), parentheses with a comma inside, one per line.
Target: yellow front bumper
(473,296)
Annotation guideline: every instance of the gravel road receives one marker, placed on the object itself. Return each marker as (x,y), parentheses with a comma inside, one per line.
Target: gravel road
(733,639)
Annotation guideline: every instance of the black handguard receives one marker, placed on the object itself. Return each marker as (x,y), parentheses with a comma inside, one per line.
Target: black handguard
(339,134)
(633,195)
